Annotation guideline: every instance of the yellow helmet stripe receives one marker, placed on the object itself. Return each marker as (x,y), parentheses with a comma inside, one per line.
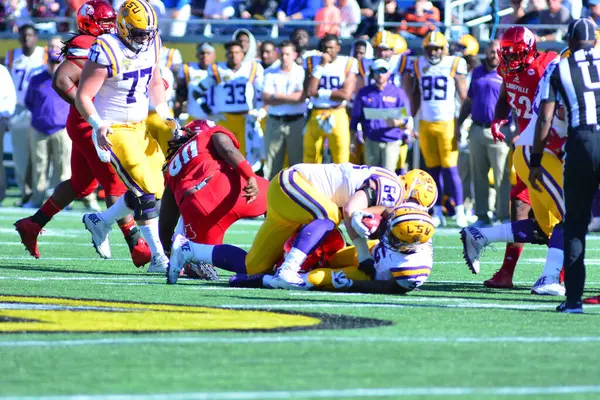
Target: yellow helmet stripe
(433,38)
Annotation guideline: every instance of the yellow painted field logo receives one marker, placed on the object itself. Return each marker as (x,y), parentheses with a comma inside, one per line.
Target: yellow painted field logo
(47,315)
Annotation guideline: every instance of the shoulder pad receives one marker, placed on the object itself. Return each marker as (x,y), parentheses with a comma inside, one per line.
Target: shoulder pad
(82,41)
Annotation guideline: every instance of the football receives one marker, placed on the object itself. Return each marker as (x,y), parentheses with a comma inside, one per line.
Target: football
(372,223)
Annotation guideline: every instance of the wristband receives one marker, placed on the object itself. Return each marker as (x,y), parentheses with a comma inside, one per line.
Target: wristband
(318,72)
(244,170)
(362,249)
(163,111)
(95,121)
(535,160)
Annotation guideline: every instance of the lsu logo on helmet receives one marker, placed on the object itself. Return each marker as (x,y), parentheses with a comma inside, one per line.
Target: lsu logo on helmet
(137,24)
(420,187)
(408,226)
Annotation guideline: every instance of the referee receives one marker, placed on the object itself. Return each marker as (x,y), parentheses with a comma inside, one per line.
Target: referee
(576,83)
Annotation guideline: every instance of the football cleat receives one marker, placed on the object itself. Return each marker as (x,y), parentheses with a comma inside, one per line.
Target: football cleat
(246,281)
(287,279)
(592,300)
(570,308)
(500,280)
(201,270)
(473,244)
(29,231)
(181,254)
(100,231)
(548,286)
(158,264)
(141,254)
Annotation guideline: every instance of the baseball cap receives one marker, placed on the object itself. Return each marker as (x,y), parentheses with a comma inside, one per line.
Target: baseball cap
(582,29)
(380,64)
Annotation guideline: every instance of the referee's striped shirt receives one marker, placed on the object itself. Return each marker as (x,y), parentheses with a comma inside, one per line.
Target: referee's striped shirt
(576,83)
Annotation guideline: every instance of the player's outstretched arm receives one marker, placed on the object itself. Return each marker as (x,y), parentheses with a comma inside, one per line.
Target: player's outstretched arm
(64,81)
(167,221)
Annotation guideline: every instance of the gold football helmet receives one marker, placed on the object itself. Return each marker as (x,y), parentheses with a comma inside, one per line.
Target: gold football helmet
(469,45)
(432,40)
(420,187)
(384,39)
(400,45)
(137,24)
(408,226)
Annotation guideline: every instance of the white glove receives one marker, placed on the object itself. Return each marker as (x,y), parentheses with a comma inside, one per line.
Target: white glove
(103,155)
(324,93)
(339,280)
(261,114)
(409,125)
(357,224)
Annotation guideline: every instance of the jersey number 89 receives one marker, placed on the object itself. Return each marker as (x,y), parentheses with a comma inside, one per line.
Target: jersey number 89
(434,87)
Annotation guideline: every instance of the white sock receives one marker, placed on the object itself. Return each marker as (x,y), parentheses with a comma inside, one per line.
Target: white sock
(180,228)
(554,262)
(460,210)
(499,233)
(150,233)
(116,211)
(203,252)
(362,249)
(293,260)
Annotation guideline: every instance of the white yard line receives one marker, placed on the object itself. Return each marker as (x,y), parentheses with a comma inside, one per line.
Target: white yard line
(266,338)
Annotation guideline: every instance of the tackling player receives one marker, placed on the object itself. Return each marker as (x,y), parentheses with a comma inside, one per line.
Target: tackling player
(210,183)
(94,18)
(121,75)
(522,68)
(330,83)
(439,78)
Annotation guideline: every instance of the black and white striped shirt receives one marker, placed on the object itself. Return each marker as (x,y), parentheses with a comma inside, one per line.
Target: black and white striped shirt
(576,83)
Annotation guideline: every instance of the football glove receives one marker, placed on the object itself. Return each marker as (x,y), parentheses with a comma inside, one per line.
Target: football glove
(496,125)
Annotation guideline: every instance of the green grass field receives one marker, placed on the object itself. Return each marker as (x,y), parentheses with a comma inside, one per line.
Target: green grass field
(452,339)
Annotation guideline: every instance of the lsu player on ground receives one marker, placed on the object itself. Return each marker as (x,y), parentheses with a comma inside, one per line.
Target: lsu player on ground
(521,68)
(440,77)
(122,75)
(190,75)
(94,18)
(211,185)
(329,85)
(547,202)
(312,199)
(237,89)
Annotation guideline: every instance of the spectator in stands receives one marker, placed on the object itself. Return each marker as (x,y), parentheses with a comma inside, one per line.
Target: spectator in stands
(248,42)
(424,12)
(518,7)
(180,11)
(8,101)
(329,18)
(392,12)
(368,21)
(362,48)
(300,38)
(350,13)
(268,55)
(295,10)
(219,9)
(283,93)
(46,9)
(593,11)
(257,9)
(49,143)
(383,138)
(556,14)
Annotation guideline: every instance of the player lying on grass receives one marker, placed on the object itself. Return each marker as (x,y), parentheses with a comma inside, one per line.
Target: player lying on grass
(308,198)
(211,185)
(94,18)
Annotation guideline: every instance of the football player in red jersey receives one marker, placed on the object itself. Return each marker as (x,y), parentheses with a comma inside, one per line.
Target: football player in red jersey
(94,18)
(521,68)
(211,185)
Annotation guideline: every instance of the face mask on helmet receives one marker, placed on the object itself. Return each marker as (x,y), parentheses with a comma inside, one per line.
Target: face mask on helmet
(434,54)
(140,39)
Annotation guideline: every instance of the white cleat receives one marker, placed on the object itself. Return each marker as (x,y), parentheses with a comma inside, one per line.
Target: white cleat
(462,221)
(548,286)
(181,254)
(100,231)
(158,264)
(473,244)
(287,279)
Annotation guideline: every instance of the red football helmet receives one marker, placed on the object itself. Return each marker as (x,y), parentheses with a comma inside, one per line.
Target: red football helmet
(517,50)
(199,125)
(96,17)
(331,244)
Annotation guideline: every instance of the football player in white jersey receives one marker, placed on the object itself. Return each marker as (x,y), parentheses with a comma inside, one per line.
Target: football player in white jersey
(312,199)
(237,86)
(190,75)
(23,63)
(440,77)
(330,81)
(122,75)
(171,58)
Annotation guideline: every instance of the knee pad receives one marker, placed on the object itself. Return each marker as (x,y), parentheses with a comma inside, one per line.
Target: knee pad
(144,207)
(539,237)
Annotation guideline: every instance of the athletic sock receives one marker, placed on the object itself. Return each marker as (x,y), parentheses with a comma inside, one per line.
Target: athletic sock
(224,256)
(498,233)
(48,210)
(150,233)
(556,256)
(293,260)
(116,212)
(511,257)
